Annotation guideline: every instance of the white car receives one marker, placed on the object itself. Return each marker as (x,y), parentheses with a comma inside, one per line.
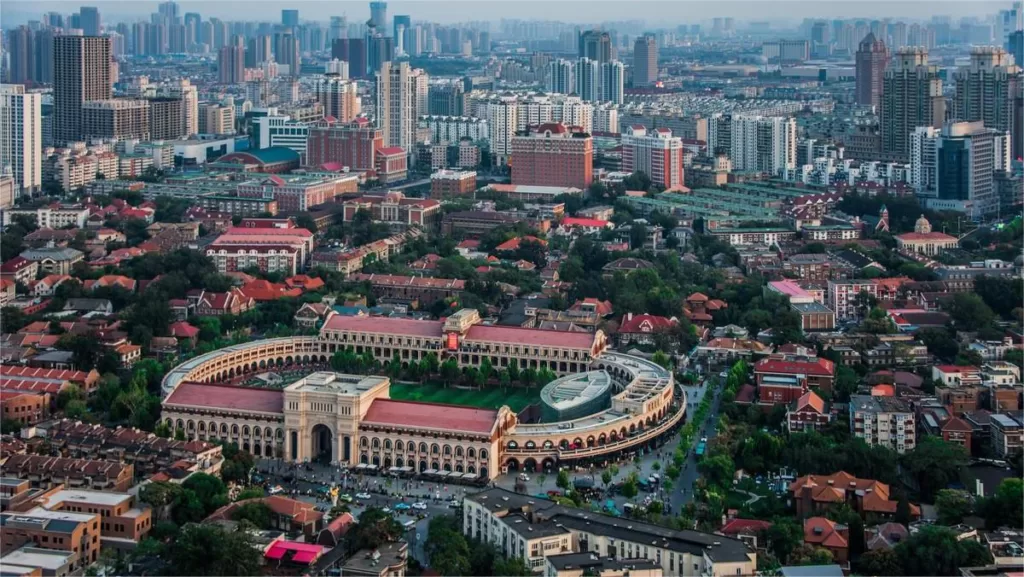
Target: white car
(386,509)
(420,505)
(275,490)
(363,496)
(524,477)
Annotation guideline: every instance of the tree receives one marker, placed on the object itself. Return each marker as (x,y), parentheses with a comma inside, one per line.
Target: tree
(970,312)
(374,528)
(903,515)
(881,562)
(606,478)
(856,531)
(1003,508)
(446,547)
(211,491)
(629,488)
(662,360)
(937,551)
(562,481)
(935,464)
(718,470)
(255,512)
(513,369)
(784,535)
(159,495)
(211,550)
(953,505)
(449,370)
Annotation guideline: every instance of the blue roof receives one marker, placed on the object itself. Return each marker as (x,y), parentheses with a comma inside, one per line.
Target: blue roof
(275,154)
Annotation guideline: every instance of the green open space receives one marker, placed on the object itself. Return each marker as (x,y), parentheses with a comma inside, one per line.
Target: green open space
(517,398)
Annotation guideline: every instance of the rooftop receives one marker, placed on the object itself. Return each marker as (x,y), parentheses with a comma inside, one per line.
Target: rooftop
(430,415)
(225,397)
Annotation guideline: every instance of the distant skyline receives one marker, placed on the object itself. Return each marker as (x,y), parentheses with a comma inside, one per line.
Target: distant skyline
(657,13)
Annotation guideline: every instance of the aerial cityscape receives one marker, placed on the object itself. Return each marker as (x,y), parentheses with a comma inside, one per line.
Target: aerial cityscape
(636,289)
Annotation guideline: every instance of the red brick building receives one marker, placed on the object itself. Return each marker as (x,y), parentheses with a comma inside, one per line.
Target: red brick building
(808,413)
(785,379)
(552,155)
(354,145)
(656,153)
(392,164)
(452,183)
(819,493)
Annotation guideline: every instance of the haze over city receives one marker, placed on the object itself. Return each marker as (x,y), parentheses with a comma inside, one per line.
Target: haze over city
(480,288)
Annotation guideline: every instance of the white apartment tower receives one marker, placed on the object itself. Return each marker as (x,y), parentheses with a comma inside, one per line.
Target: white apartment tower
(763,144)
(396,104)
(613,75)
(21,138)
(562,77)
(588,79)
(503,117)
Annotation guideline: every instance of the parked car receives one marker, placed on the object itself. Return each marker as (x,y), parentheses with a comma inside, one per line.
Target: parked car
(363,496)
(419,505)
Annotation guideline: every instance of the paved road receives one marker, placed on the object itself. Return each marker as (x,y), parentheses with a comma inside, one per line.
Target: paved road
(682,493)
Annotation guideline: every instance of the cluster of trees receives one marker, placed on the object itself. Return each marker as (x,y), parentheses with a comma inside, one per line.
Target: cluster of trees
(451,553)
(430,367)
(190,502)
(1001,509)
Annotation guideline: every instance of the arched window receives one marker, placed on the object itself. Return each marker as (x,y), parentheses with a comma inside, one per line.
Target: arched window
(387,444)
(399,446)
(435,449)
(364,442)
(483,453)
(376,443)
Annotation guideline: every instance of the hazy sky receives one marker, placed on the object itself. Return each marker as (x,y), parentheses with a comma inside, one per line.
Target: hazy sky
(656,12)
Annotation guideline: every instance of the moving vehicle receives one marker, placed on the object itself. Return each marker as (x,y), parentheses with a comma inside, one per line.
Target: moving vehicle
(275,490)
(419,505)
(402,507)
(345,497)
(363,496)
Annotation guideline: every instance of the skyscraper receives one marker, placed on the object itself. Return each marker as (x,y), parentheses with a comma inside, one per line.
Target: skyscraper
(81,73)
(379,49)
(403,20)
(231,64)
(645,60)
(21,138)
(612,87)
(89,17)
(338,97)
(23,65)
(396,104)
(562,76)
(588,79)
(446,99)
(965,161)
(290,18)
(989,89)
(169,12)
(379,16)
(353,51)
(286,51)
(911,97)
(596,45)
(763,144)
(872,60)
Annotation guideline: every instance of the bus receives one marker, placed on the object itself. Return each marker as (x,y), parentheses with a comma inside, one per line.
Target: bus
(700,449)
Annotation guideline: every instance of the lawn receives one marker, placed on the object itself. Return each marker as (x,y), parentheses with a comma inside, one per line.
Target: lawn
(516,398)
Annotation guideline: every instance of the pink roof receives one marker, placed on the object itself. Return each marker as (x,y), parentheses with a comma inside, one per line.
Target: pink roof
(404,327)
(431,415)
(644,324)
(221,397)
(531,337)
(391,150)
(789,288)
(957,369)
(238,230)
(303,552)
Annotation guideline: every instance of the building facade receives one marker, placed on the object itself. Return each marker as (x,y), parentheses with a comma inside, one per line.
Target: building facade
(884,421)
(82,72)
(21,138)
(656,153)
(553,155)
(911,97)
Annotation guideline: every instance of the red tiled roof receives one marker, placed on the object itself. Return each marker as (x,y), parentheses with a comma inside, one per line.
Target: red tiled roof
(644,324)
(912,236)
(744,525)
(513,243)
(391,150)
(404,327)
(431,415)
(820,368)
(30,372)
(822,531)
(812,401)
(532,337)
(182,329)
(956,424)
(221,397)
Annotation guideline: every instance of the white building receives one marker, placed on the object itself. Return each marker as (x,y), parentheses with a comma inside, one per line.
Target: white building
(574,112)
(588,79)
(884,421)
(280,130)
(606,119)
(923,161)
(502,117)
(21,138)
(763,144)
(396,104)
(453,128)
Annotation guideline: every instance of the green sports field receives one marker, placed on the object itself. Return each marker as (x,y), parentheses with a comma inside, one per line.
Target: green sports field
(516,398)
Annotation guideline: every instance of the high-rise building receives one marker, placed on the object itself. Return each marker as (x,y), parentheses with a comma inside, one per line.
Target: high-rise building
(183,90)
(762,144)
(81,73)
(379,49)
(911,97)
(22,55)
(656,153)
(353,51)
(215,118)
(379,16)
(169,12)
(286,51)
(115,118)
(231,64)
(613,75)
(338,29)
(596,45)
(403,20)
(165,118)
(339,98)
(21,138)
(872,60)
(990,90)
(588,79)
(396,104)
(260,50)
(354,145)
(552,155)
(966,161)
(446,99)
(290,18)
(923,169)
(503,118)
(562,76)
(89,18)
(645,60)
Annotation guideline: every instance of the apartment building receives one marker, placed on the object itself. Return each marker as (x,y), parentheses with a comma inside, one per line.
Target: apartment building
(47,472)
(444,183)
(656,153)
(75,533)
(553,155)
(426,290)
(1007,431)
(394,208)
(53,216)
(884,421)
(536,530)
(120,517)
(842,297)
